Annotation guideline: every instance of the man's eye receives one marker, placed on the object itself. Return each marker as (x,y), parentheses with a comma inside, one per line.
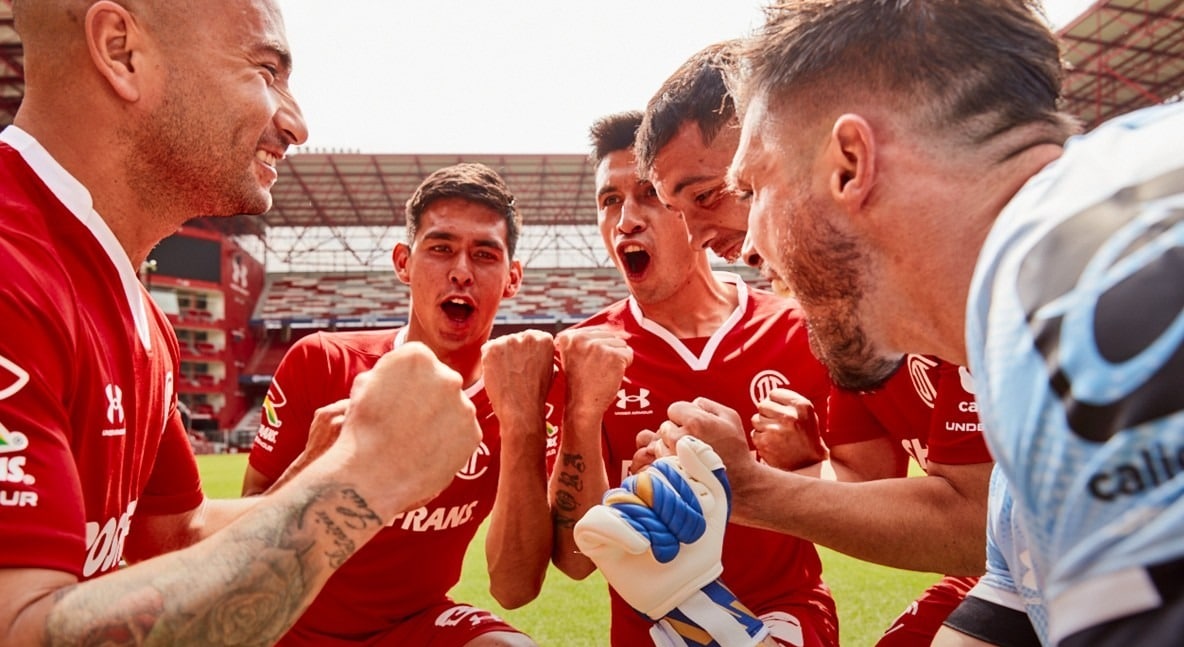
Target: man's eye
(743,195)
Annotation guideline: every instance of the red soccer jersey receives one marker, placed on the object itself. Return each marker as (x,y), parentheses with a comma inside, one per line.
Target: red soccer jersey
(927,408)
(762,346)
(411,564)
(89,430)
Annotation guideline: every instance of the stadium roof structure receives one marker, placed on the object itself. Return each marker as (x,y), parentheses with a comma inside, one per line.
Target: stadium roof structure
(1122,55)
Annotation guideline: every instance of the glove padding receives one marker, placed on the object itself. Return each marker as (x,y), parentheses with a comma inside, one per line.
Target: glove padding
(658,538)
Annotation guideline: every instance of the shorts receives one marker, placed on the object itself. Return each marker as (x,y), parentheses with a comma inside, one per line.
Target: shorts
(446,624)
(1161,625)
(918,624)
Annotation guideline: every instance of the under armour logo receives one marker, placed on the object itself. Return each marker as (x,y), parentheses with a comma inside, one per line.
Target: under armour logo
(238,272)
(114,404)
(641,399)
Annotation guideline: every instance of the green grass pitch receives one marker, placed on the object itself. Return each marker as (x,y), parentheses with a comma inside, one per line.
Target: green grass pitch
(575,614)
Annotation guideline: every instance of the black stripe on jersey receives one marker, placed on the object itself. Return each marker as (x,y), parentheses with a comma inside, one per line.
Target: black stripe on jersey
(1130,315)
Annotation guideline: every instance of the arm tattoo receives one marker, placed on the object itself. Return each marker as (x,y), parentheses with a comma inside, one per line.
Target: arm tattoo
(245,586)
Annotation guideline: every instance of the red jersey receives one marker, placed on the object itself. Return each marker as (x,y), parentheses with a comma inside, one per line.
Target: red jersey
(762,346)
(927,407)
(928,410)
(409,565)
(89,429)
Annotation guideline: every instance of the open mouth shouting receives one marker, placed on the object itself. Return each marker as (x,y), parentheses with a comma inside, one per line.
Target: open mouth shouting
(458,309)
(634,258)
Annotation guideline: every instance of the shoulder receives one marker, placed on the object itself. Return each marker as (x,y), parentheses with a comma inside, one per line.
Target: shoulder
(613,316)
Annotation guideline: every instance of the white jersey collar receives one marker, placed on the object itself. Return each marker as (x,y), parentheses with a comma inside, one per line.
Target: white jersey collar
(78,200)
(701,361)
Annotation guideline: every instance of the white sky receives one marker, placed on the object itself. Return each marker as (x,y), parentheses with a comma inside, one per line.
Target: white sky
(496,76)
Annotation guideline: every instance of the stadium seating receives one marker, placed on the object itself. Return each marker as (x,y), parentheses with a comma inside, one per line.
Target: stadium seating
(377,299)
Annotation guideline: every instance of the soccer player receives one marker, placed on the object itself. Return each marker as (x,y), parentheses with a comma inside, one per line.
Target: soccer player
(684,332)
(685,145)
(1047,264)
(136,118)
(462,227)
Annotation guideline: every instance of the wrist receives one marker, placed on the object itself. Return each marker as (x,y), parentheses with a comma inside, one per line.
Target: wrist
(712,611)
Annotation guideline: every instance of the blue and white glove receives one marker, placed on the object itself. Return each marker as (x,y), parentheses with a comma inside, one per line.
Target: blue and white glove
(658,538)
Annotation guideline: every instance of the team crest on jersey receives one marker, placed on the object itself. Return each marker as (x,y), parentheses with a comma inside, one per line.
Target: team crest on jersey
(273,401)
(478,464)
(918,367)
(1118,299)
(763,383)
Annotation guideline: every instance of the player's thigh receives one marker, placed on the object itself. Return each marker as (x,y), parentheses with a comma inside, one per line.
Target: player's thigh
(452,624)
(802,625)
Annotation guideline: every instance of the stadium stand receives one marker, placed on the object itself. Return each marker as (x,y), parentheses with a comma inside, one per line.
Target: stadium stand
(239,291)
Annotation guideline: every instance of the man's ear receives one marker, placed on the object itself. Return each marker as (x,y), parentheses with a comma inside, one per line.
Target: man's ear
(401,256)
(852,159)
(115,42)
(515,282)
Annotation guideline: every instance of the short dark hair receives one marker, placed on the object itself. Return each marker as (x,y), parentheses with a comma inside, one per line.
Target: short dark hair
(473,182)
(975,68)
(695,93)
(612,133)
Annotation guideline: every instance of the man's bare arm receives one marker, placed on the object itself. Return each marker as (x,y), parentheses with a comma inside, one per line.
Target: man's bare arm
(250,582)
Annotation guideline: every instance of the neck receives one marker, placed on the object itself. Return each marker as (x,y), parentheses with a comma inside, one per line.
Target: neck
(136,228)
(697,309)
(465,360)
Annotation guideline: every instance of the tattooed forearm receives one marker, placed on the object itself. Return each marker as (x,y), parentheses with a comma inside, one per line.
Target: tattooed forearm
(244,586)
(358,516)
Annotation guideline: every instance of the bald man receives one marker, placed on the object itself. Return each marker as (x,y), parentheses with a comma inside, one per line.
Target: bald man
(138,116)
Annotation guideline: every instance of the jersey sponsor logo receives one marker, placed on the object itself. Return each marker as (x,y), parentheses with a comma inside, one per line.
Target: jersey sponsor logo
(12,470)
(1154,466)
(104,543)
(12,441)
(966,379)
(633,403)
(918,367)
(12,378)
(272,402)
(1106,281)
(440,518)
(763,384)
(478,464)
(917,449)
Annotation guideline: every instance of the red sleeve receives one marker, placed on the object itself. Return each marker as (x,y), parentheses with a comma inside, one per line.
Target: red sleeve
(174,485)
(955,433)
(554,413)
(42,516)
(849,420)
(288,408)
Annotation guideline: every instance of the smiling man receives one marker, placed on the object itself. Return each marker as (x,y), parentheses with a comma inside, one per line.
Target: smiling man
(462,225)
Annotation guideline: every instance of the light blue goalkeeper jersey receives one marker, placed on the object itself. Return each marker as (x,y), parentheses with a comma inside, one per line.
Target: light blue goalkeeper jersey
(1074,333)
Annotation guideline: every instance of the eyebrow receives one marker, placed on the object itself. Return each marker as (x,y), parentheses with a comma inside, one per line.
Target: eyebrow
(449,237)
(279,50)
(694,179)
(608,188)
